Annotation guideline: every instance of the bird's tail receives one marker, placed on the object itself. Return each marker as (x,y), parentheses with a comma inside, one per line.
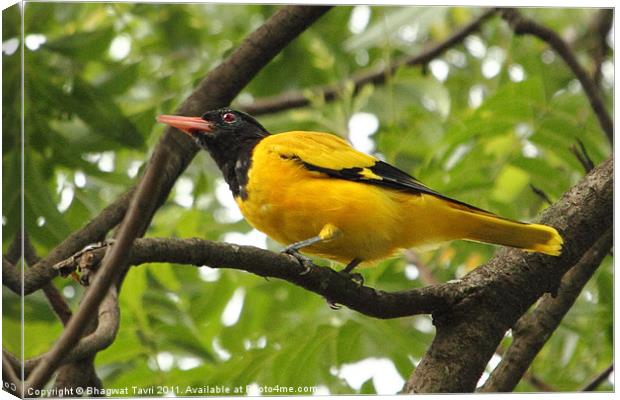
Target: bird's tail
(480,226)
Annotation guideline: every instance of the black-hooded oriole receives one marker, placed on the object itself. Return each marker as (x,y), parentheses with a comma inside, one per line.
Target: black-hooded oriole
(313,192)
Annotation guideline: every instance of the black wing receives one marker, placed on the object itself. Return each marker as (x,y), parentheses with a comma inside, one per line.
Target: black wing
(388,176)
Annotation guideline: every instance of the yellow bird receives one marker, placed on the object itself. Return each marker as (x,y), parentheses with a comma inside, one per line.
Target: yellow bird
(314,193)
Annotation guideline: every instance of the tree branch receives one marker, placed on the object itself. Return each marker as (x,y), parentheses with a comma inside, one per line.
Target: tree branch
(296,99)
(322,280)
(582,155)
(102,337)
(600,26)
(533,330)
(94,231)
(11,276)
(12,383)
(14,252)
(522,25)
(170,158)
(504,288)
(600,378)
(54,298)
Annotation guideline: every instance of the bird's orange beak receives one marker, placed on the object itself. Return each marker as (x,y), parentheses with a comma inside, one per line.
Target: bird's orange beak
(186,124)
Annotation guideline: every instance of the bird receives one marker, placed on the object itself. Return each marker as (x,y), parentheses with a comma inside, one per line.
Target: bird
(315,194)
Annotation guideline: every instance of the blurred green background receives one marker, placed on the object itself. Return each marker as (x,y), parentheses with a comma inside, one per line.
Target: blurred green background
(481,123)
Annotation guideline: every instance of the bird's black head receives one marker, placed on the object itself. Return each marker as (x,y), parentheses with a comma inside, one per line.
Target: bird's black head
(229,125)
(228,135)
(217,127)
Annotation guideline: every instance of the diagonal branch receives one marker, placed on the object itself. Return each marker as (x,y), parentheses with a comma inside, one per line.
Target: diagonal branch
(599,28)
(170,158)
(11,276)
(600,378)
(522,25)
(11,382)
(533,330)
(54,298)
(296,99)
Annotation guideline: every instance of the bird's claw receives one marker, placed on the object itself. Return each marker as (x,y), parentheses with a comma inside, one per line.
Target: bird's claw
(303,260)
(354,276)
(333,305)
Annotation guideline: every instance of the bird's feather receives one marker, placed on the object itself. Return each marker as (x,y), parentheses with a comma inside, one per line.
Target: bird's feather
(333,156)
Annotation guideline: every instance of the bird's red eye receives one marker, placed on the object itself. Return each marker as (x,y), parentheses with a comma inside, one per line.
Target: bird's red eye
(229,118)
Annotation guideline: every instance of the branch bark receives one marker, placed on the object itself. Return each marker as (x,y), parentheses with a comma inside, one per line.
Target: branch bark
(522,25)
(324,281)
(533,330)
(170,158)
(296,99)
(504,288)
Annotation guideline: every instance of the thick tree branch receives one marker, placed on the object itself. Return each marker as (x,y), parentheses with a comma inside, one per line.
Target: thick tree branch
(170,158)
(296,99)
(533,330)
(503,289)
(522,26)
(80,374)
(322,280)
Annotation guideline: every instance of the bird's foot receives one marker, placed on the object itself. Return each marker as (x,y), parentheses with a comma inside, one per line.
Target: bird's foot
(304,261)
(333,305)
(354,276)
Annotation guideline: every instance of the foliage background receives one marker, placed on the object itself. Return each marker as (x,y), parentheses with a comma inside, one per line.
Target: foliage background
(482,123)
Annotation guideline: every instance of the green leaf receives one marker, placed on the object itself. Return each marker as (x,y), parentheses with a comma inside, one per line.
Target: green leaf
(119,78)
(105,118)
(39,202)
(82,45)
(379,32)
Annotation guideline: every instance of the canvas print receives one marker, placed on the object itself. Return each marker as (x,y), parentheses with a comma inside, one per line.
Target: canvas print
(211,199)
